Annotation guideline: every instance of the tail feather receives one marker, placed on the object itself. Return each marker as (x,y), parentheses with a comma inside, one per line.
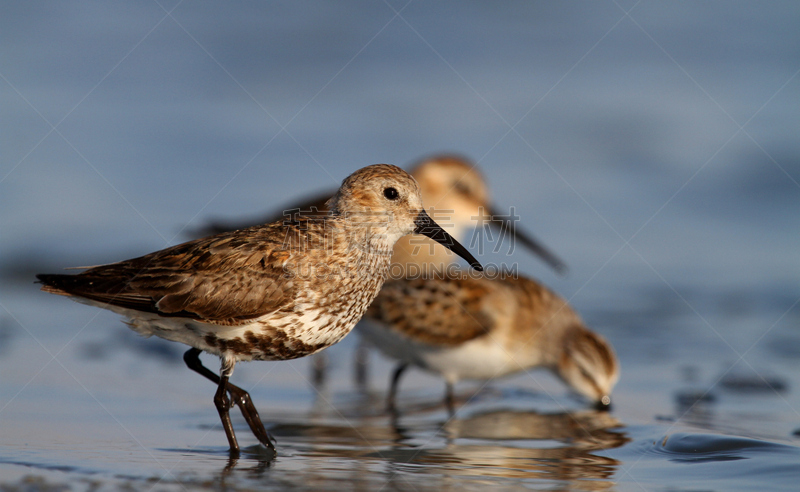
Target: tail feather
(79,285)
(55,283)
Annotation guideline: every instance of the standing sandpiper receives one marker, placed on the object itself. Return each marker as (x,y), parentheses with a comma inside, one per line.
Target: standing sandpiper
(456,195)
(271,292)
(472,327)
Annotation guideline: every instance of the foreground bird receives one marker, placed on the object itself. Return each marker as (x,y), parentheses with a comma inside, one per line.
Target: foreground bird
(272,292)
(472,327)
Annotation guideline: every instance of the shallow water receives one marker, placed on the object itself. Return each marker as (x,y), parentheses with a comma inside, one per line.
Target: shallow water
(652,145)
(107,409)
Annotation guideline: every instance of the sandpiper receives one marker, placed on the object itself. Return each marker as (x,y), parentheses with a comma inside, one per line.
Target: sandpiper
(472,327)
(457,198)
(271,292)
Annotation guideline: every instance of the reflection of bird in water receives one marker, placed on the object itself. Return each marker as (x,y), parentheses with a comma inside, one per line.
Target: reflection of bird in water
(468,327)
(580,434)
(458,199)
(564,467)
(587,429)
(272,292)
(513,444)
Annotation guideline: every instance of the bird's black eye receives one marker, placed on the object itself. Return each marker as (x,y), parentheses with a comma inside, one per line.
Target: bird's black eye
(462,188)
(391,193)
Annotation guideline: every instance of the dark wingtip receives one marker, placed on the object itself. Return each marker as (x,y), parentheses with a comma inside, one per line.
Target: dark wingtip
(56,283)
(43,278)
(50,283)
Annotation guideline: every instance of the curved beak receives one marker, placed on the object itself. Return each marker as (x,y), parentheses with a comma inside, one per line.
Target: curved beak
(506,221)
(427,227)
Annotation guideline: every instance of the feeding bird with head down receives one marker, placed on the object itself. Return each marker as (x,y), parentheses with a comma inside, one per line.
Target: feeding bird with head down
(476,328)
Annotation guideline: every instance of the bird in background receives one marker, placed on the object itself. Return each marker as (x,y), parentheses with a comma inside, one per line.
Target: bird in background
(478,328)
(276,291)
(456,196)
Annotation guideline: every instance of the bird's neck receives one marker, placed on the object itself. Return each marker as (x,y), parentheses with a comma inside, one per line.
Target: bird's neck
(367,232)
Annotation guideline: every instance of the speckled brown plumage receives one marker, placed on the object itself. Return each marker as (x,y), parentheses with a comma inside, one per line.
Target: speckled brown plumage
(444,311)
(226,279)
(472,327)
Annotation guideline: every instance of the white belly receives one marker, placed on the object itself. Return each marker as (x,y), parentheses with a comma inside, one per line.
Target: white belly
(481,358)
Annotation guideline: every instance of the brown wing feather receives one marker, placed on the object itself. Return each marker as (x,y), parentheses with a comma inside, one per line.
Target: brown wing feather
(224,279)
(434,311)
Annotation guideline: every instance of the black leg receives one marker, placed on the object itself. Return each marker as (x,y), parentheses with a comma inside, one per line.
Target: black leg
(398,371)
(361,365)
(319,366)
(250,414)
(449,399)
(223,405)
(238,396)
(193,362)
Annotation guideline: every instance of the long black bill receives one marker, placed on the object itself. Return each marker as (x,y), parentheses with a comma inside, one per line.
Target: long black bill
(507,221)
(427,227)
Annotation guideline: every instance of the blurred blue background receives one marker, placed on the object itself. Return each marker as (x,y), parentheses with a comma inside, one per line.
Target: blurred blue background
(665,136)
